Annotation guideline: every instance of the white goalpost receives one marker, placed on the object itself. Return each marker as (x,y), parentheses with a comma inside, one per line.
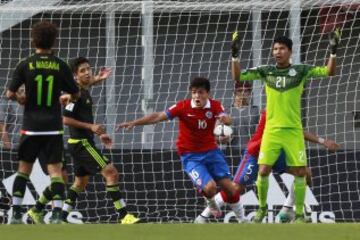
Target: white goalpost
(154,48)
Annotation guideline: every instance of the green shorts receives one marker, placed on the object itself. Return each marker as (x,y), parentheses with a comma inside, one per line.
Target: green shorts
(287,139)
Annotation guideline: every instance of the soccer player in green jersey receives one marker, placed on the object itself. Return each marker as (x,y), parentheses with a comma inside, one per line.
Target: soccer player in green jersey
(45,76)
(284,84)
(88,159)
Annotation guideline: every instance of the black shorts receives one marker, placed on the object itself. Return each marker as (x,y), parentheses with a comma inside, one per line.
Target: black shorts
(43,165)
(52,146)
(88,160)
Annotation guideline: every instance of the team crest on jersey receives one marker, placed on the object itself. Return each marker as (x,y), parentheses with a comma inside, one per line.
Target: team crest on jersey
(292,72)
(209,114)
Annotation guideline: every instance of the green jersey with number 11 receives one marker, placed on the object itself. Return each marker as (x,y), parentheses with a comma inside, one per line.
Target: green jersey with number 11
(44,76)
(284,88)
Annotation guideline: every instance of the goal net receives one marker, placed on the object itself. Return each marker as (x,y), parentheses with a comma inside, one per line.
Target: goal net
(154,49)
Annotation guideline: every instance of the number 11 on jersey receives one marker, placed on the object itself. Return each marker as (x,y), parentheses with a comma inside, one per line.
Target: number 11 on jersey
(39,80)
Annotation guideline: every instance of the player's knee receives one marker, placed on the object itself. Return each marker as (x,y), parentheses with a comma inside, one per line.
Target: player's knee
(25,167)
(264,170)
(64,175)
(210,189)
(111,174)
(239,188)
(80,183)
(55,169)
(300,171)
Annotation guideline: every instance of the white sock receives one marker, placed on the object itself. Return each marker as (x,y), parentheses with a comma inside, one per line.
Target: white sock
(211,203)
(219,200)
(17,200)
(206,213)
(238,210)
(290,200)
(58,203)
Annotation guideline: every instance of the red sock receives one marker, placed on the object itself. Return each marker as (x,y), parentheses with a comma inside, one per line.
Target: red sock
(232,199)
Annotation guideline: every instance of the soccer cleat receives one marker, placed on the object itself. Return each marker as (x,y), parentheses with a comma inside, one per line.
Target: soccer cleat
(299,219)
(201,219)
(260,214)
(286,216)
(129,219)
(36,216)
(215,211)
(56,218)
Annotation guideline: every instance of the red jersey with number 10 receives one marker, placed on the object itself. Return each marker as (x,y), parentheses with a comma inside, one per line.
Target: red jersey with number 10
(196,125)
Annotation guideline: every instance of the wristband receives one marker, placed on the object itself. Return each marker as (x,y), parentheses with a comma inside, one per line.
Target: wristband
(235,59)
(332,55)
(321,140)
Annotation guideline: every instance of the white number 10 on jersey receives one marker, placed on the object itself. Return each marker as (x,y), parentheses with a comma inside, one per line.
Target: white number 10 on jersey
(202,124)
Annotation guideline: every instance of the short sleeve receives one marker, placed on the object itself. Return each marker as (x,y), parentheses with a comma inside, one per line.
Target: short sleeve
(18,78)
(220,110)
(69,84)
(315,71)
(173,111)
(250,74)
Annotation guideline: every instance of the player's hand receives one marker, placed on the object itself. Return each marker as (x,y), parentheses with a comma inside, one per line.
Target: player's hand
(103,74)
(21,96)
(223,119)
(331,145)
(126,125)
(334,39)
(106,140)
(65,99)
(98,129)
(235,44)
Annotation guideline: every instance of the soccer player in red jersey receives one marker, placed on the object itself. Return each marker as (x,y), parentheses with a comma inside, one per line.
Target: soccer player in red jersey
(201,158)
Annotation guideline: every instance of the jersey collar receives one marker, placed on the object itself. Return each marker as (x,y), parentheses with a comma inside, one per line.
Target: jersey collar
(207,105)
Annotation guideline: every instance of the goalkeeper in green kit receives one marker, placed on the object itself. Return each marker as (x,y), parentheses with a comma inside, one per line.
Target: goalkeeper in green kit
(284,84)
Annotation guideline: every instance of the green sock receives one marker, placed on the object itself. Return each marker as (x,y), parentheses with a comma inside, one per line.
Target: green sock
(119,203)
(299,190)
(262,184)
(44,199)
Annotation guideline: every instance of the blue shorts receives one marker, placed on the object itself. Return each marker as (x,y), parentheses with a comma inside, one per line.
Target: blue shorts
(246,173)
(206,166)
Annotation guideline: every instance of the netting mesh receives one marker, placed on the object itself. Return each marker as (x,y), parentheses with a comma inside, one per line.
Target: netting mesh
(192,38)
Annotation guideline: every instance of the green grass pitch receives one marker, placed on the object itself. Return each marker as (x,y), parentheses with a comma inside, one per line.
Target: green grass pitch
(182,231)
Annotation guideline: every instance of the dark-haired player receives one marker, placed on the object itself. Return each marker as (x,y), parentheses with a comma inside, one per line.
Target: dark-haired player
(201,158)
(44,76)
(283,132)
(88,160)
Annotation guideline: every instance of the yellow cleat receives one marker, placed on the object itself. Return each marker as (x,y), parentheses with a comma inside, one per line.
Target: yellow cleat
(35,216)
(130,219)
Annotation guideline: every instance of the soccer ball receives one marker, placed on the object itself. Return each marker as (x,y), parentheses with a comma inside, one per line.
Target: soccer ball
(223,130)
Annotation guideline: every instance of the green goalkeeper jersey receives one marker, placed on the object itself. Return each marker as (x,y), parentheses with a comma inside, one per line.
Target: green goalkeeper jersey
(284,88)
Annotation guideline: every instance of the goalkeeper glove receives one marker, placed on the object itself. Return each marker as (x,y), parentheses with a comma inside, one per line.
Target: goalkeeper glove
(235,44)
(334,38)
